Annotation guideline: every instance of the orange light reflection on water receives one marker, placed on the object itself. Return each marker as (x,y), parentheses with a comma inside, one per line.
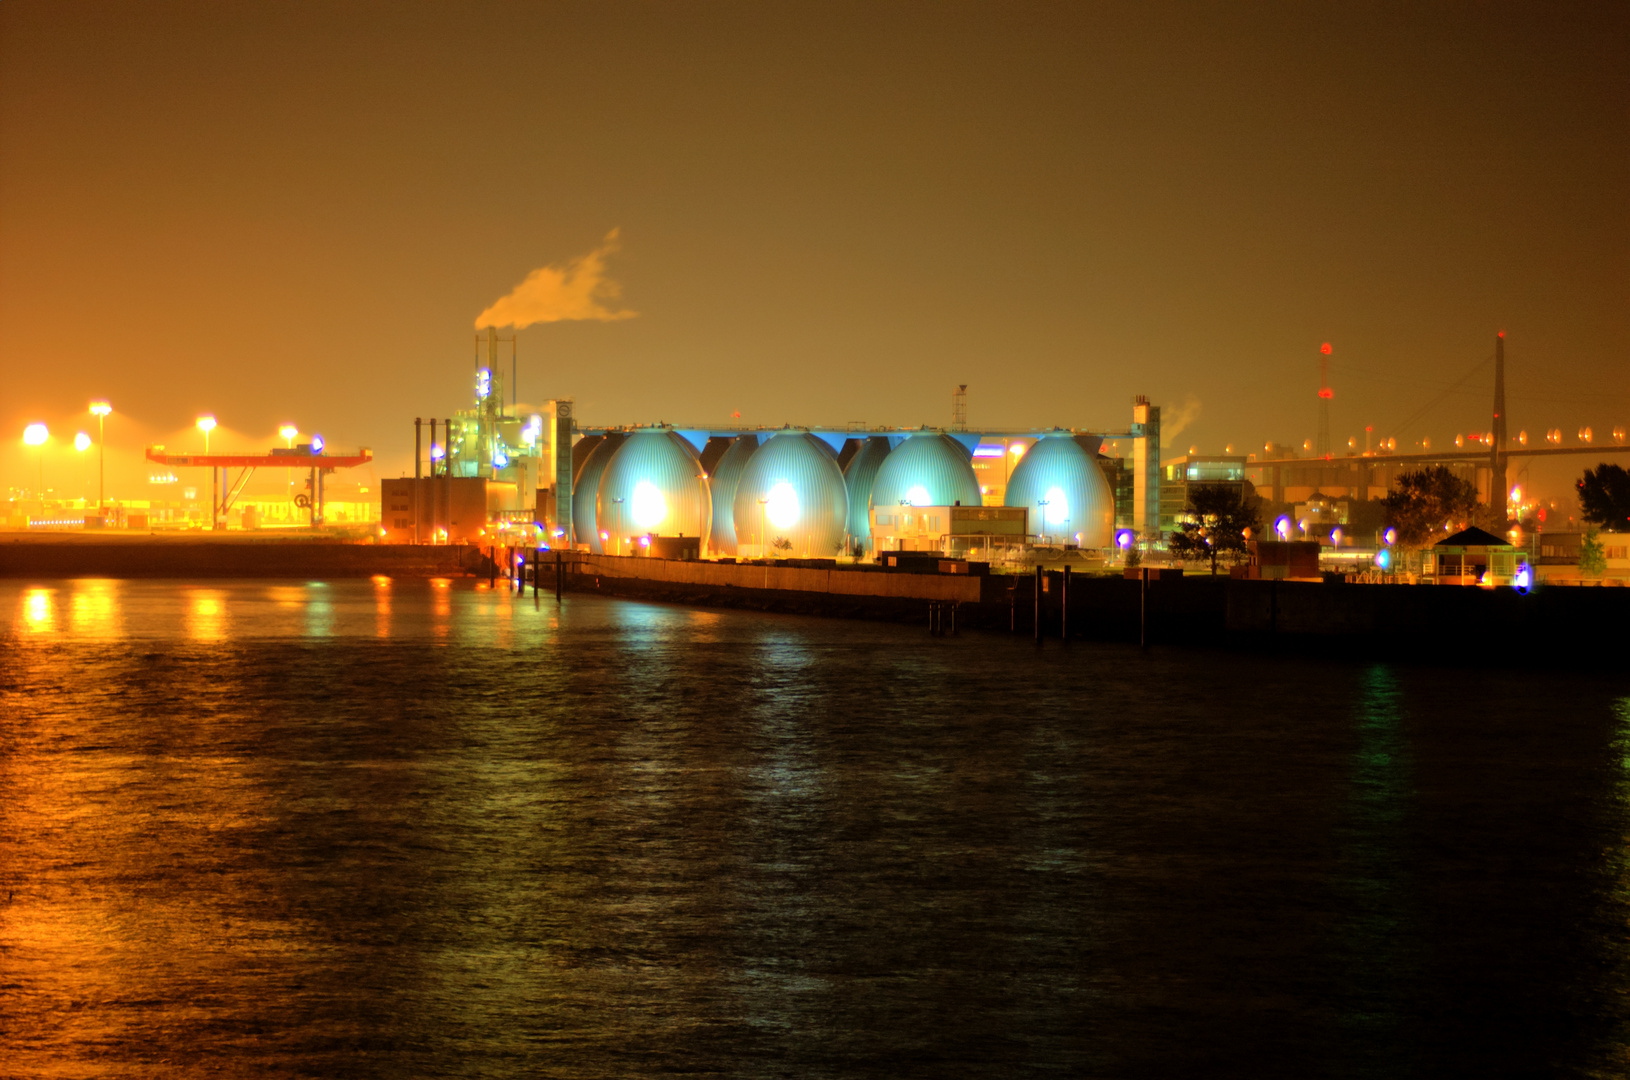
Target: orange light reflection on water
(94,609)
(382,606)
(206,615)
(37,613)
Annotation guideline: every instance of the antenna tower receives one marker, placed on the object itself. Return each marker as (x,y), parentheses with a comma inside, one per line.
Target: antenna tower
(1322,446)
(1498,491)
(959,408)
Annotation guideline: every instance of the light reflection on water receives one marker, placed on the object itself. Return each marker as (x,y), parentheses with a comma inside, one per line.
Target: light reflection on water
(390,828)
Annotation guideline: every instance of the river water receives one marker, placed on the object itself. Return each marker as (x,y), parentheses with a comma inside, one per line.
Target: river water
(377,829)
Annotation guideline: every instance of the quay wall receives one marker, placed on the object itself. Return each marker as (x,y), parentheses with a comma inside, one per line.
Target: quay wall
(1414,621)
(950,588)
(142,557)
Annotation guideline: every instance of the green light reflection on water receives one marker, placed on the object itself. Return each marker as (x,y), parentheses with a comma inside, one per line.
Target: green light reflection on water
(1374,886)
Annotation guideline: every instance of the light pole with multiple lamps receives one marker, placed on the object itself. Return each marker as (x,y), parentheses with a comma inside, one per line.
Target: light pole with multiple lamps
(101,409)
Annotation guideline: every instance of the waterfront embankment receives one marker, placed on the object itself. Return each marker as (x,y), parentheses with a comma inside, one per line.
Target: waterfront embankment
(244,556)
(1408,621)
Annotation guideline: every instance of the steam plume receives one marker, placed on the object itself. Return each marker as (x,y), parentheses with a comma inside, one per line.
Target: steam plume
(1181,416)
(578,290)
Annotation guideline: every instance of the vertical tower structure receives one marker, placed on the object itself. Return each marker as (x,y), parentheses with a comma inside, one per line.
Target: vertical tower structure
(1322,446)
(1497,457)
(1145,468)
(959,408)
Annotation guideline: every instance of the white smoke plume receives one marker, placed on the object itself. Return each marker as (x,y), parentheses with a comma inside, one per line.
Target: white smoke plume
(1181,416)
(579,289)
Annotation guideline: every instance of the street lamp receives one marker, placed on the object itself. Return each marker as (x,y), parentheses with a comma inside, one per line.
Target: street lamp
(206,424)
(101,409)
(617,519)
(289,431)
(82,443)
(35,435)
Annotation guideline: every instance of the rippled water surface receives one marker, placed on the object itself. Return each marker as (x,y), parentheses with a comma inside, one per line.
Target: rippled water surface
(375,829)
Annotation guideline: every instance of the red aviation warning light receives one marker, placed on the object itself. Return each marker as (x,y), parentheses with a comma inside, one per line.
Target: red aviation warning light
(1325,394)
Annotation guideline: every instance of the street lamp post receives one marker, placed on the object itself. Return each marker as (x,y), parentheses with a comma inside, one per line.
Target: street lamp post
(289,431)
(100,410)
(82,443)
(35,435)
(617,517)
(764,528)
(206,424)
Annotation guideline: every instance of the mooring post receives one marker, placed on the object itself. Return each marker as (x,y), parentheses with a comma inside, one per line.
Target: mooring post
(1064,606)
(1041,576)
(492,567)
(954,606)
(560,576)
(537,570)
(1143,607)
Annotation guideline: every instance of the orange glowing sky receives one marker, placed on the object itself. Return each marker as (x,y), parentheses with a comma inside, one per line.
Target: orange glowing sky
(826,212)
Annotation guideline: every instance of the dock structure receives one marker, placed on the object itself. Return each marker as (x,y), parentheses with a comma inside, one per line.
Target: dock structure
(222,491)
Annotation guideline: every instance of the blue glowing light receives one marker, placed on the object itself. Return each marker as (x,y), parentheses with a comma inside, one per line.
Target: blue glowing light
(499,458)
(483,384)
(316,444)
(1523,578)
(1124,538)
(1383,559)
(1282,526)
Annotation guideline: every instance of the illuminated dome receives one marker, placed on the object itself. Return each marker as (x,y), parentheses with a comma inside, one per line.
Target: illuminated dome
(858,478)
(791,489)
(726,475)
(586,488)
(926,470)
(1059,482)
(653,486)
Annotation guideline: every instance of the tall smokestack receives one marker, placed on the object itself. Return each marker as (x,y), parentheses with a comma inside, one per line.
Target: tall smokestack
(1498,491)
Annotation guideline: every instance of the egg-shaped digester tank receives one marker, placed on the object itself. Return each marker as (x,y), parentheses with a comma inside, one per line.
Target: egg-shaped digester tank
(858,477)
(722,483)
(586,489)
(791,500)
(653,486)
(927,470)
(1058,480)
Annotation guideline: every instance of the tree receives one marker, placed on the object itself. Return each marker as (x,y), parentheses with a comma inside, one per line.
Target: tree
(1219,516)
(1426,500)
(1604,496)
(1592,558)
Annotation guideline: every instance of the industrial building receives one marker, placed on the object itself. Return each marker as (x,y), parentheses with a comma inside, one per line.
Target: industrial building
(489,473)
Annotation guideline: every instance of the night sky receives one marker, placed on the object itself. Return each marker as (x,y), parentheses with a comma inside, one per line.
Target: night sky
(821,214)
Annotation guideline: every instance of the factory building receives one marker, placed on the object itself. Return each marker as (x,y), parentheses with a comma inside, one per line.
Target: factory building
(652,485)
(542,478)
(858,476)
(957,531)
(591,464)
(723,479)
(927,469)
(791,500)
(1068,500)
